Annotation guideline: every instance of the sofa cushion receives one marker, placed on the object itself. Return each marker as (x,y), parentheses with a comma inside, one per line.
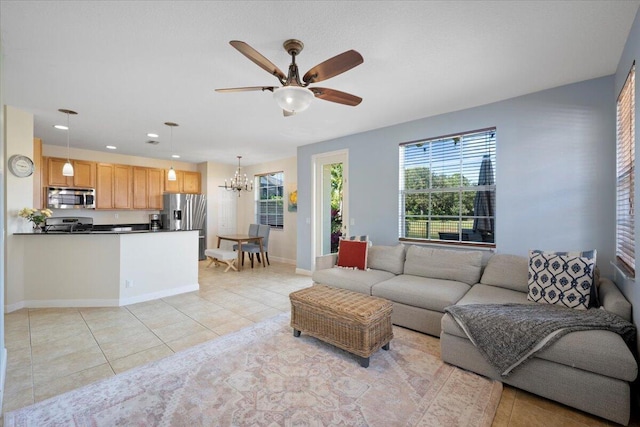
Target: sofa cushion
(507,271)
(353,254)
(561,278)
(422,292)
(486,294)
(461,266)
(354,280)
(387,258)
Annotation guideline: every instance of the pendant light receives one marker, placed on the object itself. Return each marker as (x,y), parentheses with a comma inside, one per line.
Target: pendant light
(171,175)
(67,169)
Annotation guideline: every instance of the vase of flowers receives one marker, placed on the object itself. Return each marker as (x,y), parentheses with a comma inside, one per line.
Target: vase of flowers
(36,216)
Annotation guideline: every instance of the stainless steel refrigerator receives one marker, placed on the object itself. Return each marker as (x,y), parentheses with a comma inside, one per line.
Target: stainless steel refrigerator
(186,212)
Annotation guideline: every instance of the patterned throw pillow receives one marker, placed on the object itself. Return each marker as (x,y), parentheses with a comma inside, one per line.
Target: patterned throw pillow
(561,278)
(353,254)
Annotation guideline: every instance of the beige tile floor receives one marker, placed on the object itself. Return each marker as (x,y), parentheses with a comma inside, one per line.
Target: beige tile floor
(51,351)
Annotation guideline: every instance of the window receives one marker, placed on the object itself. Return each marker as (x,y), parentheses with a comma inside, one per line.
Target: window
(270,203)
(625,173)
(448,188)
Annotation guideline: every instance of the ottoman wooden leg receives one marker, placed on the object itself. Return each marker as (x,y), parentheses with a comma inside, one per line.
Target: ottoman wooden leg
(386,346)
(296,333)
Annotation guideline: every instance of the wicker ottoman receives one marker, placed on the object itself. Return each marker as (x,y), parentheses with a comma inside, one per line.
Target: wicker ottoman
(357,323)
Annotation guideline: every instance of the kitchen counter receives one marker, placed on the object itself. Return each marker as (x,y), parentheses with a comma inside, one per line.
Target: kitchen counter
(58,233)
(105,268)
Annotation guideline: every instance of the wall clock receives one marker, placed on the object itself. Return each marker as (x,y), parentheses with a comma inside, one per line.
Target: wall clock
(21,166)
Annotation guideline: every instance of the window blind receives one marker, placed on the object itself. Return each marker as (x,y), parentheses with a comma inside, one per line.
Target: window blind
(625,170)
(270,201)
(447,188)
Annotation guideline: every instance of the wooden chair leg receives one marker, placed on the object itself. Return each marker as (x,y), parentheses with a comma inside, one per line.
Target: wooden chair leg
(243,258)
(251,256)
(258,256)
(230,264)
(266,256)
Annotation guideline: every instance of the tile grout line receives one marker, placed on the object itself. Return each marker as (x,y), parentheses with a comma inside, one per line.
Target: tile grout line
(96,341)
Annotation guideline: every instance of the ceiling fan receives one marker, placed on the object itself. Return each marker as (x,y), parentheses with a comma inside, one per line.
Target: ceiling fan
(294,95)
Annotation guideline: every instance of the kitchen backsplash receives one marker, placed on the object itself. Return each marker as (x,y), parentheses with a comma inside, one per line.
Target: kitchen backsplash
(108,217)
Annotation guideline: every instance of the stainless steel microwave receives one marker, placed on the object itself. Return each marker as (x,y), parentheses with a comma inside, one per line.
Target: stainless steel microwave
(71,198)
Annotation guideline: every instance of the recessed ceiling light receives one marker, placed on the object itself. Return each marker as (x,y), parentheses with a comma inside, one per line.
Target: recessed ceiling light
(152,135)
(111,147)
(175,156)
(61,127)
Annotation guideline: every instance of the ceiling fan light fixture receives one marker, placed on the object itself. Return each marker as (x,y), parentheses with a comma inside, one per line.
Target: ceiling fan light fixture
(293,99)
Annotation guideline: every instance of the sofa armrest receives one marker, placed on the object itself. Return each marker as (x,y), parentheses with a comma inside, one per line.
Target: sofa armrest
(612,299)
(326,261)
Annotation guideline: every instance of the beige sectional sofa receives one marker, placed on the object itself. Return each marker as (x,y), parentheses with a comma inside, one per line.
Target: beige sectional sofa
(588,370)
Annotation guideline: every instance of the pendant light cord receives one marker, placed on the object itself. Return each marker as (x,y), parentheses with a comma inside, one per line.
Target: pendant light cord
(68,131)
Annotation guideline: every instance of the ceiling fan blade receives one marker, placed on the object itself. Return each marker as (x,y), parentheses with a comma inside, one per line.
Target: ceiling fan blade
(288,113)
(336,96)
(258,59)
(247,89)
(333,66)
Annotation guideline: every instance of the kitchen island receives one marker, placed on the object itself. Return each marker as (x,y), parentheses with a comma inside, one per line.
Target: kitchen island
(101,269)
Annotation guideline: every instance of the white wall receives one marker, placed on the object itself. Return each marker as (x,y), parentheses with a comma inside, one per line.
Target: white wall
(18,195)
(282,243)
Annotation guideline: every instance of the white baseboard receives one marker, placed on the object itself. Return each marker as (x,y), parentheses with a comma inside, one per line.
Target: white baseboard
(162,294)
(62,303)
(100,302)
(13,307)
(283,260)
(303,272)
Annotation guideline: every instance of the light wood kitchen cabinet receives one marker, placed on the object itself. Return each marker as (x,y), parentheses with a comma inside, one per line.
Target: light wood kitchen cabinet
(122,177)
(173,186)
(191,182)
(147,188)
(84,173)
(104,187)
(113,190)
(155,188)
(140,188)
(186,182)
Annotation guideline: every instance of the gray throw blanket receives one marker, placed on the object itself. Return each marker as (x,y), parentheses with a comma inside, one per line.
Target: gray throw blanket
(509,334)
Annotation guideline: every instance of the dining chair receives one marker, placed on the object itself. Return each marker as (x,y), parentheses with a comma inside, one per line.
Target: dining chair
(253,231)
(254,248)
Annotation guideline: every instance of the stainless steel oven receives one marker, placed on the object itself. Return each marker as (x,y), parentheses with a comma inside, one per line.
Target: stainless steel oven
(71,198)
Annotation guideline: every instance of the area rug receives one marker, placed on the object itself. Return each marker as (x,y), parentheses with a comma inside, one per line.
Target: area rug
(263,376)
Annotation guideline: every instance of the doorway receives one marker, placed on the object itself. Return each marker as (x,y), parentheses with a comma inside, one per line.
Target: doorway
(331,202)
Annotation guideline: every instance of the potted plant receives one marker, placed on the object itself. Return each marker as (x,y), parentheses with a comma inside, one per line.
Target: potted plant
(36,216)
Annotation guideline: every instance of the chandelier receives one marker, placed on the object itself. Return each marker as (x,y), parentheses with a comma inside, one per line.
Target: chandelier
(239,182)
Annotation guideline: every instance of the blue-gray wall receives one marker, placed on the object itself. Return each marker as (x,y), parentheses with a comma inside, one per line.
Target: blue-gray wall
(632,53)
(555,171)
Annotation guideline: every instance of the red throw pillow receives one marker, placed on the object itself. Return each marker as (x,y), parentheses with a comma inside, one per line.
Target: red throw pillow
(353,254)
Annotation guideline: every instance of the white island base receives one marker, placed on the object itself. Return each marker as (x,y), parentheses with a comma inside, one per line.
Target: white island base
(103,270)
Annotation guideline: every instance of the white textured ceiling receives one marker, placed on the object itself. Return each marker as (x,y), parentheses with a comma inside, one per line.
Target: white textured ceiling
(128,67)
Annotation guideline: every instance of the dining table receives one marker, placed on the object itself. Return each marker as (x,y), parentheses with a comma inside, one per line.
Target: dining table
(240,239)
